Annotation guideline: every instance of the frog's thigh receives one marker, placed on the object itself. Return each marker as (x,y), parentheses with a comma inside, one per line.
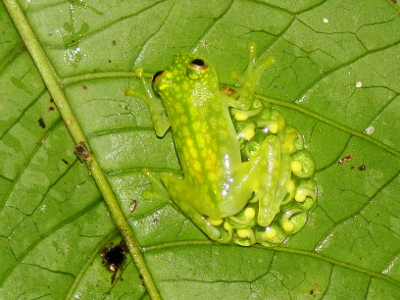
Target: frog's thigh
(264,175)
(250,173)
(273,183)
(183,195)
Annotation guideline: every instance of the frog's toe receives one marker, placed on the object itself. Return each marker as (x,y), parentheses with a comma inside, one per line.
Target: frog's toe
(270,236)
(245,237)
(302,164)
(302,193)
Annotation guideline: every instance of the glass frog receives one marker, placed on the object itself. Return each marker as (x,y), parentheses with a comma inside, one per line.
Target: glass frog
(245,176)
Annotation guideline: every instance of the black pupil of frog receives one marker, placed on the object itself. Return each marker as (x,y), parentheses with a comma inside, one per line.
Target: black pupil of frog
(155,77)
(198,62)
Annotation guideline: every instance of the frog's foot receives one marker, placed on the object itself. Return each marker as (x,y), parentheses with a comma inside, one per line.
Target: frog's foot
(285,224)
(158,190)
(243,115)
(302,193)
(292,214)
(243,96)
(239,228)
(143,91)
(247,132)
(245,231)
(243,228)
(303,165)
(248,81)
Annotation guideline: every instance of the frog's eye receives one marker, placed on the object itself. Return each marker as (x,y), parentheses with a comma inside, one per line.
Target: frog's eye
(195,68)
(156,77)
(198,65)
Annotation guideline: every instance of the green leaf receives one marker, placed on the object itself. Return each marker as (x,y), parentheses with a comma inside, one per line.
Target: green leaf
(336,80)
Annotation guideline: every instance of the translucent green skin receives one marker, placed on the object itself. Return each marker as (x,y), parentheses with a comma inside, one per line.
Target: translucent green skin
(233,187)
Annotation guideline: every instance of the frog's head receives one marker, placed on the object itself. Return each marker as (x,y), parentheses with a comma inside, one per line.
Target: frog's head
(187,72)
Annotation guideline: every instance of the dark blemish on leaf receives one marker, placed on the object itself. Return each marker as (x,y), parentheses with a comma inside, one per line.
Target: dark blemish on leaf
(362,168)
(114,257)
(65,162)
(42,123)
(51,108)
(51,100)
(141,276)
(133,206)
(82,151)
(84,87)
(155,220)
(345,159)
(315,288)
(114,42)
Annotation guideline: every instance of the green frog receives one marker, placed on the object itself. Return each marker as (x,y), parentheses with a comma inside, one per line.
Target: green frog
(245,176)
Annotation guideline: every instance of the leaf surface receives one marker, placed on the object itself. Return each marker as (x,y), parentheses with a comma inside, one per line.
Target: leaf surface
(336,80)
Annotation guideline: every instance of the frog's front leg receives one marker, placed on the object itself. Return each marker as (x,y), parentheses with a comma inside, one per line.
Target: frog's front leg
(247,82)
(179,191)
(158,115)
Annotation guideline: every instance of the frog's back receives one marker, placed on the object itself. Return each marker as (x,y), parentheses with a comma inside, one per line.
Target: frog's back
(203,132)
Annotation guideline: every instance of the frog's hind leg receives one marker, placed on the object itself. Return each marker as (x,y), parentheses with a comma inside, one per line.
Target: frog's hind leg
(180,191)
(172,188)
(272,182)
(158,190)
